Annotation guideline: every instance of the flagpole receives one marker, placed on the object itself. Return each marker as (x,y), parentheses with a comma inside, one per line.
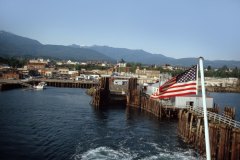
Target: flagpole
(208,151)
(197,81)
(159,83)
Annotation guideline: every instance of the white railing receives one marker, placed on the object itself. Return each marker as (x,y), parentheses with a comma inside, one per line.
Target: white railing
(216,117)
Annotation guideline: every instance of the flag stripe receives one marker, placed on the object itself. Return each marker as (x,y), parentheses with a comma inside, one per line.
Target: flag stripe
(186,85)
(179,94)
(172,93)
(179,89)
(169,83)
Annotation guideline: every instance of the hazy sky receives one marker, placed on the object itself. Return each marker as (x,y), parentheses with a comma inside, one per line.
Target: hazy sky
(175,28)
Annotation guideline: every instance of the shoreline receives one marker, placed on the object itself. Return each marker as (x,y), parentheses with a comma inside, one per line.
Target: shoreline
(223,89)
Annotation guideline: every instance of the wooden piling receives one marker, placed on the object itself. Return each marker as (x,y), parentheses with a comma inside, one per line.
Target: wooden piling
(235,148)
(224,139)
(213,136)
(229,112)
(133,95)
(101,96)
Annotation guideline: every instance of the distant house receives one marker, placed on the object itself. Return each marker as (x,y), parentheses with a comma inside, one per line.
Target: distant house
(147,73)
(9,74)
(83,63)
(103,64)
(23,70)
(167,67)
(4,66)
(121,67)
(48,72)
(87,77)
(37,64)
(73,74)
(59,63)
(63,70)
(122,63)
(71,63)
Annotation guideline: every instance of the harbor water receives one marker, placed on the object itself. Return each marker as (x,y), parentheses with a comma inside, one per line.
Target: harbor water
(59,123)
(228,99)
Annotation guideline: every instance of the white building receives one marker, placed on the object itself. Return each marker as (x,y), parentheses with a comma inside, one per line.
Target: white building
(191,100)
(39,60)
(181,101)
(71,63)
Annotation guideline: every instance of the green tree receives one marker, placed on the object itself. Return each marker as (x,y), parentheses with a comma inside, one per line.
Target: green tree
(236,73)
(78,67)
(209,68)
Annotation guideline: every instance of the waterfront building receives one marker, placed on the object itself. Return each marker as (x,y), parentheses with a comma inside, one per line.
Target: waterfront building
(37,64)
(9,74)
(63,71)
(4,66)
(147,73)
(221,82)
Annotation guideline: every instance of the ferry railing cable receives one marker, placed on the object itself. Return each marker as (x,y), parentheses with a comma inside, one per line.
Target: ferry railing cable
(216,117)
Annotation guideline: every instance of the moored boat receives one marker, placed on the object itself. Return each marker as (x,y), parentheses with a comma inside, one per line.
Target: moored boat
(41,85)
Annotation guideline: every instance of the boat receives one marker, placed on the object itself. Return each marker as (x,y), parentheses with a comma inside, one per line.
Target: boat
(41,85)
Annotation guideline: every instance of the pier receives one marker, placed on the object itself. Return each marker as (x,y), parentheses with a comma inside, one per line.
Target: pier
(224,131)
(12,84)
(68,83)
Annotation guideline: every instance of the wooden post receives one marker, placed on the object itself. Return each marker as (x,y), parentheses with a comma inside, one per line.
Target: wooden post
(222,142)
(235,149)
(213,133)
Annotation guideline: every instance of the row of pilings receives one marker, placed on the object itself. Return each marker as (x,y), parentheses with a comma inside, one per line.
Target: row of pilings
(135,97)
(54,83)
(224,139)
(67,84)
(138,99)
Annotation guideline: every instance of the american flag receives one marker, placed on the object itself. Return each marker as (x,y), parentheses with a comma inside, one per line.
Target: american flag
(182,84)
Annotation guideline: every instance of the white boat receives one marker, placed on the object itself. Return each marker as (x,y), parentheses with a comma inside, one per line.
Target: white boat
(40,85)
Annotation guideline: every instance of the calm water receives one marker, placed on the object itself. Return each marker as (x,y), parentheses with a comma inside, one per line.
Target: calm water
(59,123)
(228,99)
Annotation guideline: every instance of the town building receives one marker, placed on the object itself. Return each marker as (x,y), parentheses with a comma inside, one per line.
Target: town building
(10,74)
(37,64)
(147,73)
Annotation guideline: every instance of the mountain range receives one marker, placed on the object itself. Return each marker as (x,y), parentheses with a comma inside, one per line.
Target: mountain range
(148,58)
(14,45)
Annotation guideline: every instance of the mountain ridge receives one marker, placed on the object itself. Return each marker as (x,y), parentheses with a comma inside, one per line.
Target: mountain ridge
(150,58)
(14,45)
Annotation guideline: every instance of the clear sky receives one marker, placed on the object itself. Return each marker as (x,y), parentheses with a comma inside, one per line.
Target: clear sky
(175,28)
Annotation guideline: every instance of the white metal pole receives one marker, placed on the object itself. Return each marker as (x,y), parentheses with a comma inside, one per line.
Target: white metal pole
(208,151)
(197,81)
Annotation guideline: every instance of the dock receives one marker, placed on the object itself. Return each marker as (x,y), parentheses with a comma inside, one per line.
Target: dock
(224,131)
(12,84)
(68,83)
